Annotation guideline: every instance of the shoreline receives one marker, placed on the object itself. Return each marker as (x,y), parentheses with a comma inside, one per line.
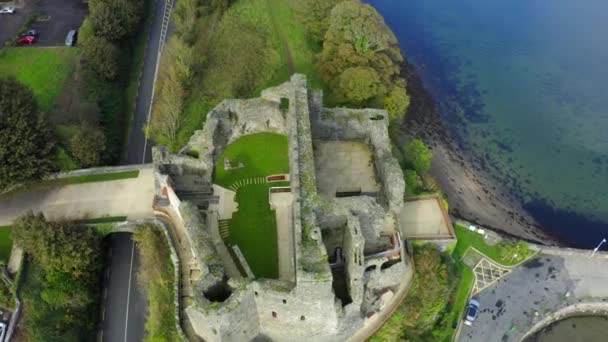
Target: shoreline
(472,193)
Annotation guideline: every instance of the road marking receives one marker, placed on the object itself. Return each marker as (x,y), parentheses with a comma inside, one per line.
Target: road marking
(100,335)
(129,290)
(105,294)
(103,314)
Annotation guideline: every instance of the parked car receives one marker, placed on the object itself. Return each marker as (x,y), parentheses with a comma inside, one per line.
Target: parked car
(7,10)
(71,38)
(26,40)
(472,312)
(2,331)
(30,33)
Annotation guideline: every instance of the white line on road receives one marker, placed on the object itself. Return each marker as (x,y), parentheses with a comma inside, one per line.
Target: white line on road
(129,290)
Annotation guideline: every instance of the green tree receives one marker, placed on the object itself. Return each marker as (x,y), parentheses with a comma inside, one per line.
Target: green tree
(102,56)
(357,85)
(88,145)
(26,140)
(58,247)
(396,103)
(314,15)
(115,19)
(418,155)
(358,36)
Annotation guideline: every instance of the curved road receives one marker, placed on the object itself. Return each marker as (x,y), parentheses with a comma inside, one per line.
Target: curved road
(138,147)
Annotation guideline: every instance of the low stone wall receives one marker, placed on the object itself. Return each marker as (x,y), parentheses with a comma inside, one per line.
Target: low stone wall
(580,309)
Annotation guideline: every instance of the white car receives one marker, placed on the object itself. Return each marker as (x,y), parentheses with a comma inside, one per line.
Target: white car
(7,10)
(2,331)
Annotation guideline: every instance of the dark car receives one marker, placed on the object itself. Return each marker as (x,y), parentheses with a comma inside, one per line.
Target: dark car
(26,40)
(472,312)
(30,33)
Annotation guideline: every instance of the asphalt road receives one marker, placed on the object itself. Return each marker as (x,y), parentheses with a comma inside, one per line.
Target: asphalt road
(124,304)
(139,149)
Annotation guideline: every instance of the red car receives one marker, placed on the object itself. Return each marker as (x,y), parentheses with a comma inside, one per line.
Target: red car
(26,40)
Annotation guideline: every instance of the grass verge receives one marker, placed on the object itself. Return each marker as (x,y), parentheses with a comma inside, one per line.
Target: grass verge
(157,276)
(6,243)
(505,253)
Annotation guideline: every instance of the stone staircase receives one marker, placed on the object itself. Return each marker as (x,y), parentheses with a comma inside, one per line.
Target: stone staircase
(224,228)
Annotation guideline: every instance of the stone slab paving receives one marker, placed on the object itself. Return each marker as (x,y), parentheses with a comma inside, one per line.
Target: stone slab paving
(540,286)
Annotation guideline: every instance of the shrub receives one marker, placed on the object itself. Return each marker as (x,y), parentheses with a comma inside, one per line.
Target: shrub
(102,56)
(418,155)
(88,145)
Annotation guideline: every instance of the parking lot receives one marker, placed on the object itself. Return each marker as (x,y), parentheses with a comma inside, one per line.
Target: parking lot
(63,16)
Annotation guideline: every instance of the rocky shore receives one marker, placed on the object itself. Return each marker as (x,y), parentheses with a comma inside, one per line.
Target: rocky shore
(473,194)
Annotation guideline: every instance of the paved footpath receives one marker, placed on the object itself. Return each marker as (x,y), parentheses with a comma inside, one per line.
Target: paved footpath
(126,197)
(533,291)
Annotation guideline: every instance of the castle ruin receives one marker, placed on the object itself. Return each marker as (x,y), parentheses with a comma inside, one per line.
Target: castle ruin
(341,256)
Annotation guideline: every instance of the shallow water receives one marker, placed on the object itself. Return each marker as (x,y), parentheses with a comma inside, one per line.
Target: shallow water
(574,329)
(524,85)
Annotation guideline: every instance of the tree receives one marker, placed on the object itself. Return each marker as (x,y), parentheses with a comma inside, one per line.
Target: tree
(26,140)
(103,56)
(396,103)
(357,85)
(88,145)
(418,155)
(357,36)
(58,247)
(115,19)
(315,15)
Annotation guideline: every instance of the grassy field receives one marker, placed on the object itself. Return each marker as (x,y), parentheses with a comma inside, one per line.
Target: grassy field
(253,226)
(505,253)
(6,243)
(285,48)
(105,177)
(45,70)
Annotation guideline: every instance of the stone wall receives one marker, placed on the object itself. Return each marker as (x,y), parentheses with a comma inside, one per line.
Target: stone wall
(369,126)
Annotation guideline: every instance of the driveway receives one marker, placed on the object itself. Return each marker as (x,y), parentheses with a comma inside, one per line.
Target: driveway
(541,286)
(126,197)
(64,15)
(123,302)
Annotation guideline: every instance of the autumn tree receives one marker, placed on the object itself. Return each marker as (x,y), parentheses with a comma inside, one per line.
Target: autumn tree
(26,140)
(88,145)
(357,38)
(396,102)
(357,85)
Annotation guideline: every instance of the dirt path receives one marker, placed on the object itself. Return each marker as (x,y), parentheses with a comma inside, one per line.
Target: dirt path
(288,56)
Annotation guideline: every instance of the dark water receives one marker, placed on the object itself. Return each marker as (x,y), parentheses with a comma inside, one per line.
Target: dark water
(523,84)
(574,329)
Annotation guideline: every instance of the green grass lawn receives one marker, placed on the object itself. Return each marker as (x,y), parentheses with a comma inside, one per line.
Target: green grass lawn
(253,226)
(505,253)
(263,154)
(6,243)
(45,70)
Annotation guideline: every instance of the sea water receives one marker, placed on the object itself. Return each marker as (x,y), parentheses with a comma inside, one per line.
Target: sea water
(524,84)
